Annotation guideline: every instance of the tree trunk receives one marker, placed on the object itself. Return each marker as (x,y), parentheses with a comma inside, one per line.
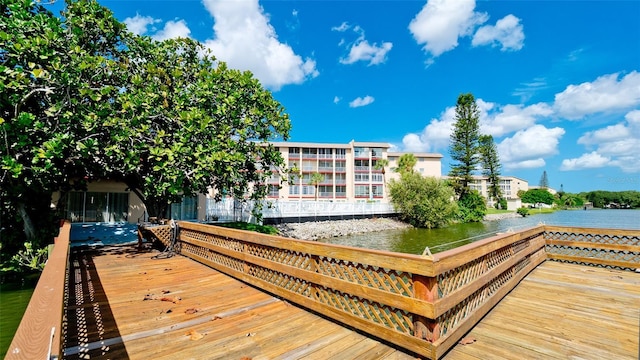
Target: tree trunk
(29,229)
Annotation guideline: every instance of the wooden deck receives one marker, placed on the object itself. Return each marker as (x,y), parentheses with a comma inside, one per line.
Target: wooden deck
(561,311)
(191,312)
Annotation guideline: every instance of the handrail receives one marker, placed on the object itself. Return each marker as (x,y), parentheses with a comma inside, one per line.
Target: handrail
(615,248)
(38,335)
(423,304)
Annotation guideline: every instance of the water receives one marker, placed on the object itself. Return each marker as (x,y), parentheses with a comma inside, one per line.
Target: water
(14,299)
(414,241)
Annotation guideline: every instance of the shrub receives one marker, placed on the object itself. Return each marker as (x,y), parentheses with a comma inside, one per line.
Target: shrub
(471,207)
(523,211)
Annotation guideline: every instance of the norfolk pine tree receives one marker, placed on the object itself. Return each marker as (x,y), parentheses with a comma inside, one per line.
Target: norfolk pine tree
(464,143)
(490,166)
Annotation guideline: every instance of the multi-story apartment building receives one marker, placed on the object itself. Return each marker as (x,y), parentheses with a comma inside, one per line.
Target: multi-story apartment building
(351,172)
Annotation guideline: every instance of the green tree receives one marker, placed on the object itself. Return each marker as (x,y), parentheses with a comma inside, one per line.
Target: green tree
(57,78)
(406,163)
(464,143)
(544,180)
(472,207)
(423,201)
(83,99)
(187,123)
(537,196)
(315,179)
(381,165)
(490,166)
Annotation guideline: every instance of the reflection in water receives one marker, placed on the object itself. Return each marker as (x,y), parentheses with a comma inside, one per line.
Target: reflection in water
(414,241)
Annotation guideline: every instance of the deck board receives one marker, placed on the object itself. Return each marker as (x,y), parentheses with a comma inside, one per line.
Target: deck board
(561,311)
(109,286)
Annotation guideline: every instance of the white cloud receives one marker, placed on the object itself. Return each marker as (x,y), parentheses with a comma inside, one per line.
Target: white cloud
(441,22)
(586,161)
(606,94)
(507,32)
(139,24)
(510,118)
(336,99)
(245,40)
(173,30)
(361,49)
(618,144)
(361,101)
(527,164)
(610,133)
(342,27)
(413,143)
(529,146)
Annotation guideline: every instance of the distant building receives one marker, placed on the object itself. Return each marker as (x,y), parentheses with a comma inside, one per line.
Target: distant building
(350,172)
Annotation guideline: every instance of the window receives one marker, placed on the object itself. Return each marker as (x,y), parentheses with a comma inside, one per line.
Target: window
(294,152)
(376,177)
(341,191)
(341,153)
(309,153)
(308,190)
(274,191)
(362,190)
(360,152)
(361,165)
(294,190)
(341,178)
(377,190)
(376,152)
(97,206)
(325,153)
(187,209)
(325,165)
(325,191)
(361,177)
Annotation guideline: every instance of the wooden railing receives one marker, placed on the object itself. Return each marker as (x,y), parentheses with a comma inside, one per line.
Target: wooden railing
(38,336)
(612,248)
(421,303)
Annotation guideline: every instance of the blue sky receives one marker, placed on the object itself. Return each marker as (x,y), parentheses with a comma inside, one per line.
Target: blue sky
(557,82)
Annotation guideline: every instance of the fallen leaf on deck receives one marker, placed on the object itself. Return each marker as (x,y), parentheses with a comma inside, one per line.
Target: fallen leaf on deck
(215,318)
(191,311)
(148,297)
(245,358)
(194,335)
(467,341)
(174,300)
(251,334)
(166,291)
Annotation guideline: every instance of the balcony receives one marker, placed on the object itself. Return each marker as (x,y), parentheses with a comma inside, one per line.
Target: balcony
(361,168)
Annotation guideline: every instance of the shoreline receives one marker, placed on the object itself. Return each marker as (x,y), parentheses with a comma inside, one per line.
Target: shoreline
(315,230)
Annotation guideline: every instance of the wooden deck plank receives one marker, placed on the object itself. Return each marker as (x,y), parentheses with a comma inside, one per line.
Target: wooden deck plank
(236,320)
(562,311)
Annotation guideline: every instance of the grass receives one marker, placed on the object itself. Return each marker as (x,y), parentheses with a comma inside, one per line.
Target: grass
(492,210)
(264,229)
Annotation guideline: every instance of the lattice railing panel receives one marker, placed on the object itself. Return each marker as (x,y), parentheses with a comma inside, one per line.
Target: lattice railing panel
(366,309)
(282,256)
(281,280)
(163,233)
(452,318)
(614,239)
(213,256)
(223,242)
(372,276)
(591,253)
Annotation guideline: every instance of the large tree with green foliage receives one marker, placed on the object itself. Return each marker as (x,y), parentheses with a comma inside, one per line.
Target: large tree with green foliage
(464,144)
(490,166)
(423,201)
(56,77)
(83,99)
(537,196)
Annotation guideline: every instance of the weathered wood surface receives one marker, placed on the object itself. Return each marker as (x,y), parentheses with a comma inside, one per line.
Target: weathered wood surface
(38,335)
(234,319)
(561,311)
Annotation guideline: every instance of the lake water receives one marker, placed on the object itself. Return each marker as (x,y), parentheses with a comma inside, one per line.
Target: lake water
(414,241)
(14,298)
